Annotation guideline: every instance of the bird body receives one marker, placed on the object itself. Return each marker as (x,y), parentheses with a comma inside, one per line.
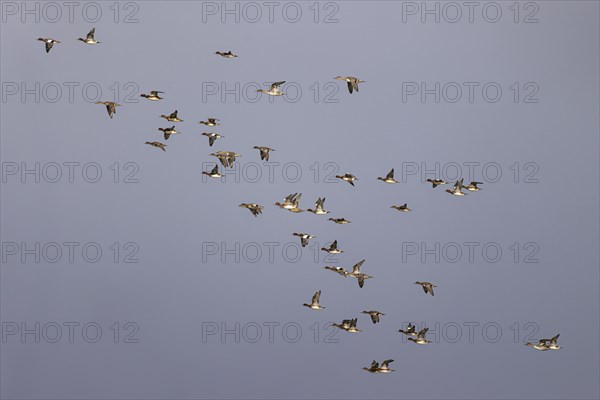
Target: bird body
(304,237)
(402,208)
(172,117)
(457,189)
(420,339)
(158,145)
(111,107)
(351,81)
(273,89)
(210,122)
(319,207)
(264,152)
(153,96)
(437,182)
(427,287)
(254,208)
(333,249)
(374,315)
(348,178)
(472,187)
(49,42)
(214,173)
(212,137)
(340,221)
(314,304)
(89,39)
(389,178)
(226,54)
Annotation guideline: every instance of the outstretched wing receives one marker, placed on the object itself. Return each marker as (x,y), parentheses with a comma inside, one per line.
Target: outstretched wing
(356,267)
(316,297)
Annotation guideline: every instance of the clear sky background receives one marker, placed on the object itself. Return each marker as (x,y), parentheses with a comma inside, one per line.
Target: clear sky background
(171,212)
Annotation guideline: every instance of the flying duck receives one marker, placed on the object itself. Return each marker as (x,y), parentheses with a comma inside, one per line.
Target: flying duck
(227,54)
(360,277)
(410,330)
(111,107)
(352,82)
(333,249)
(541,346)
(344,325)
(339,270)
(89,38)
(254,208)
(291,203)
(210,122)
(374,315)
(349,325)
(319,210)
(212,137)
(314,304)
(348,178)
(339,220)
(427,287)
(172,117)
(551,343)
(49,43)
(273,90)
(437,182)
(153,95)
(402,208)
(304,237)
(389,178)
(264,152)
(158,144)
(457,189)
(227,158)
(472,187)
(420,339)
(376,369)
(214,173)
(168,131)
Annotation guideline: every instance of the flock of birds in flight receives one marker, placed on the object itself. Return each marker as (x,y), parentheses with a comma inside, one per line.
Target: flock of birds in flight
(291,203)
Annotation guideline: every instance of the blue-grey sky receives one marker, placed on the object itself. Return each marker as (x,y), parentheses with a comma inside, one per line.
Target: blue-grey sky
(541,135)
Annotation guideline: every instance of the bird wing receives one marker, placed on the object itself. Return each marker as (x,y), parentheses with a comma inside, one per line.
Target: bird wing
(316,297)
(386,362)
(356,267)
(90,34)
